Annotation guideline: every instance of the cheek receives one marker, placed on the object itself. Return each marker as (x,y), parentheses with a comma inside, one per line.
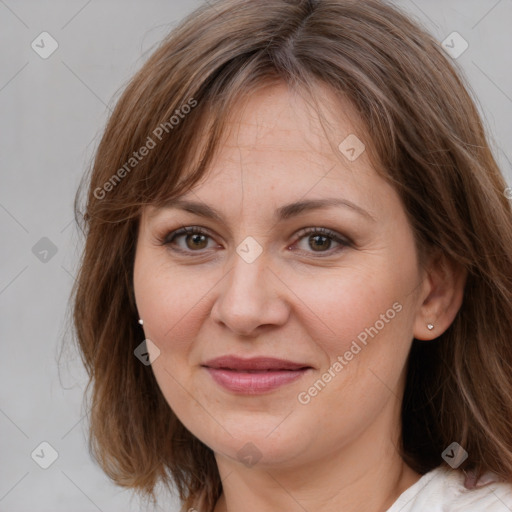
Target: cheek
(341,306)
(168,301)
(175,302)
(362,326)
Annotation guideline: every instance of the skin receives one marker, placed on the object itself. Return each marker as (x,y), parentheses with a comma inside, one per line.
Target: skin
(296,303)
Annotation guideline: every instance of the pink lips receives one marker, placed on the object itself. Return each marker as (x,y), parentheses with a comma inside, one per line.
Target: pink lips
(255,375)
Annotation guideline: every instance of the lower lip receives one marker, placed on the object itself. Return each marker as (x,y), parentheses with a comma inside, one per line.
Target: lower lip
(254,383)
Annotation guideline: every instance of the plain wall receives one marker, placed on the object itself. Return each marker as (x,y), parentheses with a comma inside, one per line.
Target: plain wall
(52,112)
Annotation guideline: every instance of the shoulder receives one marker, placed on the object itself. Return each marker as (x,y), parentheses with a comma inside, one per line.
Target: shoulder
(443,490)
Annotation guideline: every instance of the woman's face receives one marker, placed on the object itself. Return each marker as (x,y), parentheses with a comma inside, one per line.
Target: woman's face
(336,289)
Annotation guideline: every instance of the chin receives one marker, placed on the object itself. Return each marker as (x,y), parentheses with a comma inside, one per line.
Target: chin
(257,442)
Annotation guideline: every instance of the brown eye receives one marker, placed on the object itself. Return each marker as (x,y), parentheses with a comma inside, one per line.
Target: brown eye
(195,239)
(320,241)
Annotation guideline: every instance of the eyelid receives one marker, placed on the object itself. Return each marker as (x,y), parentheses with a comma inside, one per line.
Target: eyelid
(186,229)
(311,230)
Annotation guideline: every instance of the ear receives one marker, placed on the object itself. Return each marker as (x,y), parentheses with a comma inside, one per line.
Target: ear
(444,284)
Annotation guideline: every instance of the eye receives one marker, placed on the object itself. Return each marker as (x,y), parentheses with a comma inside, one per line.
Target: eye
(195,238)
(320,240)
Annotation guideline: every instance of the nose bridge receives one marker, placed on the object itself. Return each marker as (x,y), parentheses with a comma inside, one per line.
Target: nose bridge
(248,297)
(247,279)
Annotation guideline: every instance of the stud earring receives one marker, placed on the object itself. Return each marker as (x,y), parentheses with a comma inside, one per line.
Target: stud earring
(141,322)
(430,326)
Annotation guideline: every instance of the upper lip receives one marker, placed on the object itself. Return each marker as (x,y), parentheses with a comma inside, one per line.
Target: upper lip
(254,363)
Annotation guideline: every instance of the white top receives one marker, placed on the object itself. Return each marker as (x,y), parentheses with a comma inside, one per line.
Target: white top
(443,490)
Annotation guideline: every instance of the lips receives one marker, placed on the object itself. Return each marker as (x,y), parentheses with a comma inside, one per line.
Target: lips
(254,376)
(255,364)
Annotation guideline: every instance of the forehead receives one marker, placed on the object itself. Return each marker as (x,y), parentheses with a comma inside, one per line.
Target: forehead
(284,133)
(279,118)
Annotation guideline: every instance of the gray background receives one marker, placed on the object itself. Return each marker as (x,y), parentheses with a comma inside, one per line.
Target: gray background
(52,112)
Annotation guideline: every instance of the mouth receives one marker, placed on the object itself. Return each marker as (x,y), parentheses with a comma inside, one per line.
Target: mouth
(255,375)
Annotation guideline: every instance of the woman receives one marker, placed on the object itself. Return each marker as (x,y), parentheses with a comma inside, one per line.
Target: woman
(296,288)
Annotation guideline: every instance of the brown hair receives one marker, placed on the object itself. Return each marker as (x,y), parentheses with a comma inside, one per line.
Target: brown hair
(421,128)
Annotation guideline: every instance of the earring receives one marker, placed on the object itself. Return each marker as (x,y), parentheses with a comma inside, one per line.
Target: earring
(430,326)
(141,322)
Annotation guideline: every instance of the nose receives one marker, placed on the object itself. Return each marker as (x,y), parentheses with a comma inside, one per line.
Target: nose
(251,298)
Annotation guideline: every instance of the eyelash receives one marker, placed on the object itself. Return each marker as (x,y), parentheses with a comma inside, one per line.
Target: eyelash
(170,237)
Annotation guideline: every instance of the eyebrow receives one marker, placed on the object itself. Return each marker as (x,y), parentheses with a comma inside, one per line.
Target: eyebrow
(282,213)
